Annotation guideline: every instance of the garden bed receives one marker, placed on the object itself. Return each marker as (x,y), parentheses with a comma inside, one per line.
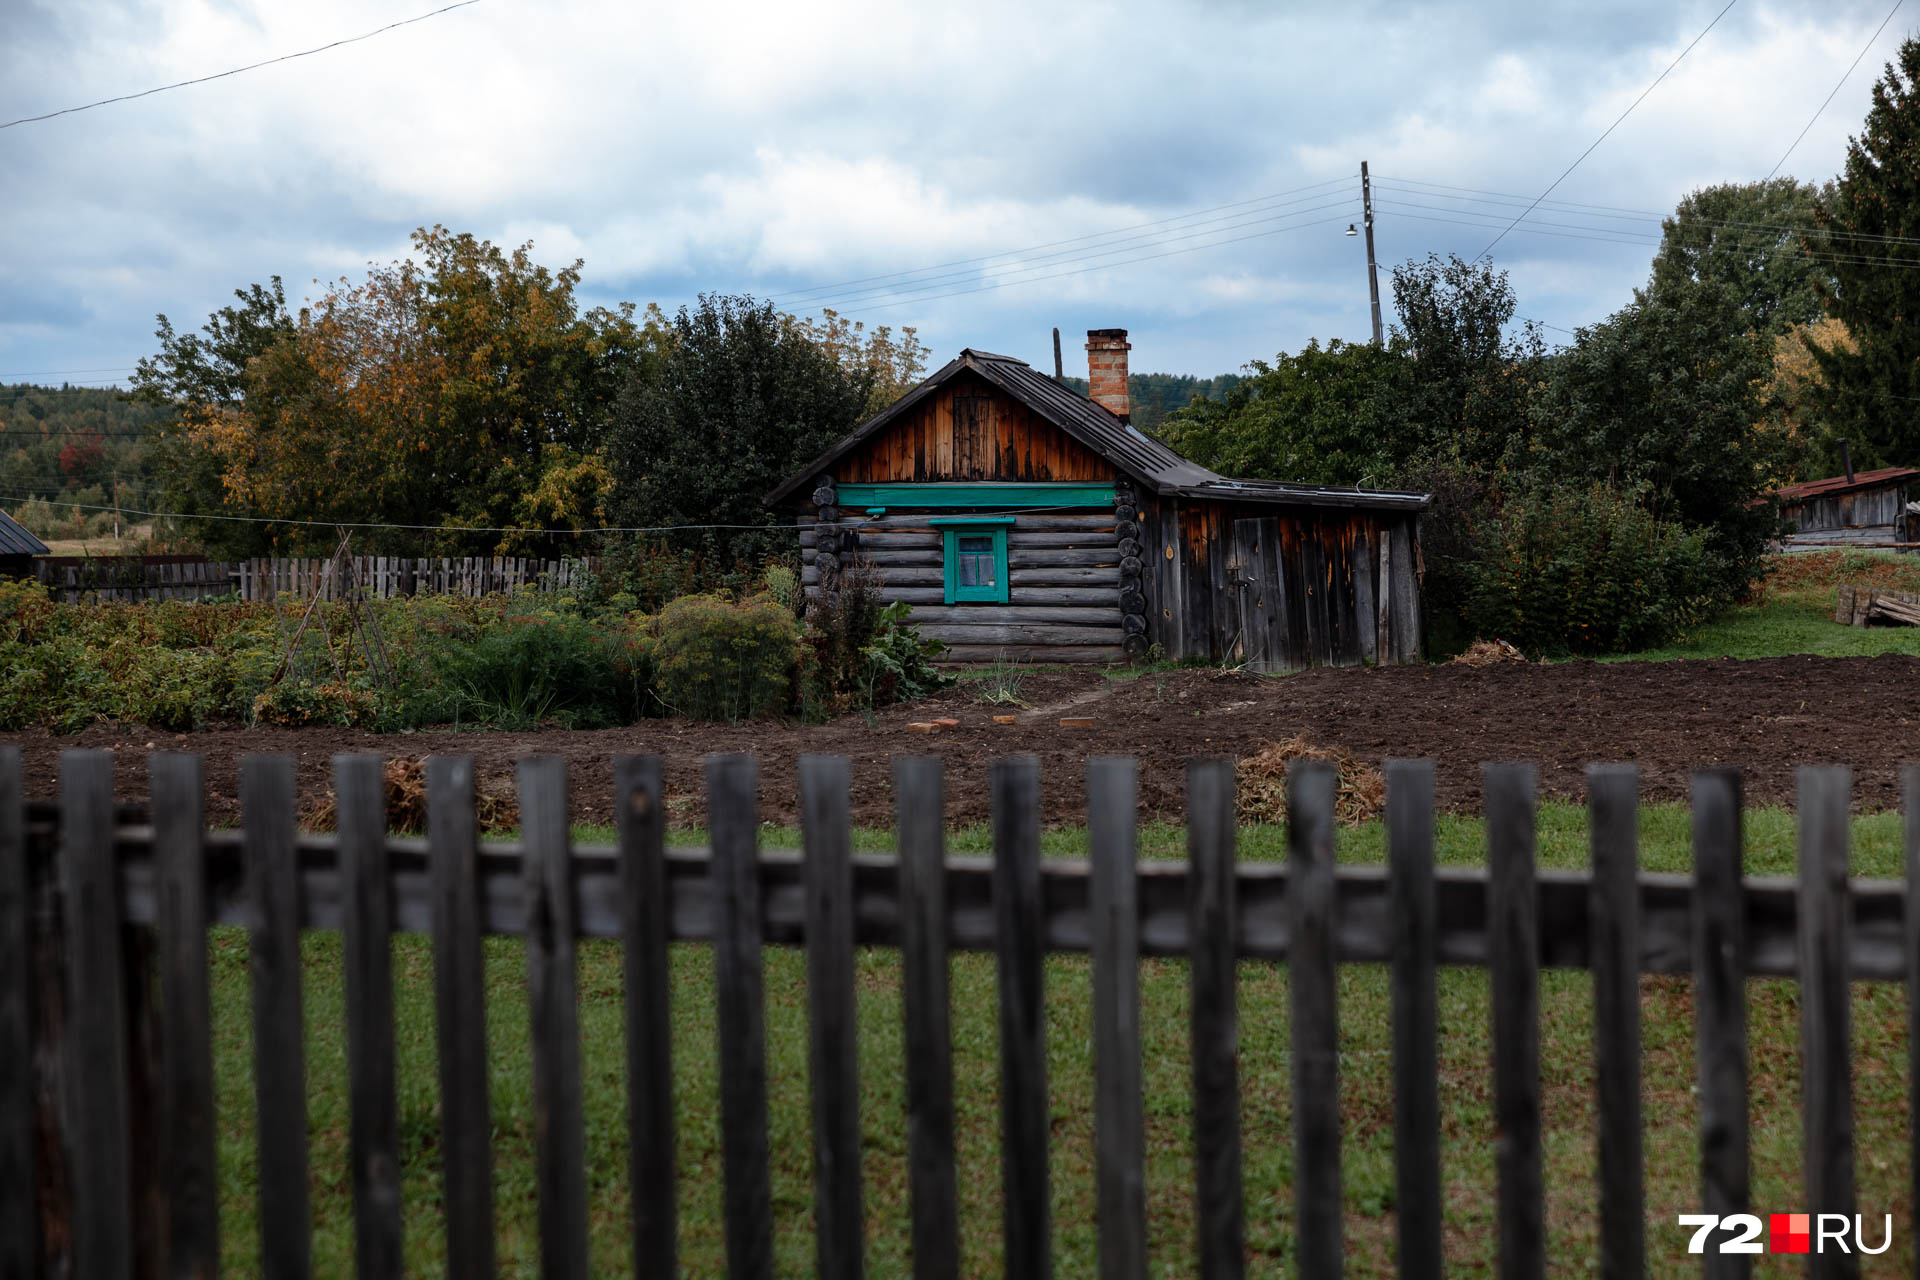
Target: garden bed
(1765,715)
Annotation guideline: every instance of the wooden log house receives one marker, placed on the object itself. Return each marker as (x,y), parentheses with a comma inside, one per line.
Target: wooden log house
(1023,521)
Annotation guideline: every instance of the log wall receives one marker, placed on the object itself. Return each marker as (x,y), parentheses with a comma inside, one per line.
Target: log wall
(1063,572)
(971,430)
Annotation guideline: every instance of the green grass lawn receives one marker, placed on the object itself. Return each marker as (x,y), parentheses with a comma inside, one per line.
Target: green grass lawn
(1879,1033)
(1793,612)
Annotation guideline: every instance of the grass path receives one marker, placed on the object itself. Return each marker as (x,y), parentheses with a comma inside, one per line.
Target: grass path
(1879,1013)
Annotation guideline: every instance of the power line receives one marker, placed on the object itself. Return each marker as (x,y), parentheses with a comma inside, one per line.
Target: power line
(1836,88)
(797,296)
(255,66)
(1036,265)
(1610,128)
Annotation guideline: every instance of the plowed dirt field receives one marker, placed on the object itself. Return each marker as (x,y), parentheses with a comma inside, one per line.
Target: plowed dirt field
(1766,716)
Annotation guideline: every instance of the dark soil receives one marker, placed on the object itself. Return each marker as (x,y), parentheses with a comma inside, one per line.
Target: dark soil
(1765,716)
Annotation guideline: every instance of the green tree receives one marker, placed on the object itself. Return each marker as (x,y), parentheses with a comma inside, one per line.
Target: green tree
(1871,222)
(1332,415)
(744,396)
(1755,240)
(466,390)
(1659,401)
(1466,397)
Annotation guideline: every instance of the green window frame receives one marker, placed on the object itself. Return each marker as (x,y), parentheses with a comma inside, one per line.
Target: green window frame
(982,543)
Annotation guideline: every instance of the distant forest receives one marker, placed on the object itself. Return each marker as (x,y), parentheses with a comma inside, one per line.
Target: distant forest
(72,445)
(1155,395)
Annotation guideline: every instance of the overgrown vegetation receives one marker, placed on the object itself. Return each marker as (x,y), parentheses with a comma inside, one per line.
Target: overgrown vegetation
(512,662)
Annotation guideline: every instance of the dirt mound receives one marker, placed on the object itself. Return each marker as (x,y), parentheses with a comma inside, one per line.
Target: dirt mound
(1484,653)
(1261,792)
(496,807)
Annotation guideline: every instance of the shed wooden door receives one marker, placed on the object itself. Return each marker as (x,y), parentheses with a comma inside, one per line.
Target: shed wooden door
(1266,626)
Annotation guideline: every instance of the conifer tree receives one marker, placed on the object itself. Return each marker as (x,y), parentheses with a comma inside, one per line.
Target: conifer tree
(1870,226)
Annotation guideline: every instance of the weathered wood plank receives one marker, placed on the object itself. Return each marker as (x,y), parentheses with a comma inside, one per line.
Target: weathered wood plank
(1119,1123)
(897,577)
(19,1091)
(554,1018)
(460,1017)
(1720,1005)
(1513,959)
(827,830)
(920,817)
(1025,1126)
(994,614)
(1214,1020)
(1416,1018)
(1313,1018)
(1910,802)
(733,811)
(1826,1019)
(1021,632)
(95,1099)
(191,1175)
(640,819)
(359,787)
(1613,794)
(279,1033)
(1078,654)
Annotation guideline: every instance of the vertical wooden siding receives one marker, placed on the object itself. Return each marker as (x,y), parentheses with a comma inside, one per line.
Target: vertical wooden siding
(971,430)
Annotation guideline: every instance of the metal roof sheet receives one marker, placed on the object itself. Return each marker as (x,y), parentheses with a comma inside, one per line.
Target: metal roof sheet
(1840,484)
(16,541)
(1095,426)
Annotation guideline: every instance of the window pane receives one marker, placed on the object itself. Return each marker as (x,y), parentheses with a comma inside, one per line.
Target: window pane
(976,567)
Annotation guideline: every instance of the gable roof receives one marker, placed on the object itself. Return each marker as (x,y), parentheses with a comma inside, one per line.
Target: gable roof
(1145,460)
(1840,484)
(16,541)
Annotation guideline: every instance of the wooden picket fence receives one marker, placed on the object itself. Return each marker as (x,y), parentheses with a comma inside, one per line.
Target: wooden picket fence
(141,579)
(114,1124)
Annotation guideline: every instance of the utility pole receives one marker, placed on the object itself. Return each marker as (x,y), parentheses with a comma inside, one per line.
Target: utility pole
(1373,272)
(1059,374)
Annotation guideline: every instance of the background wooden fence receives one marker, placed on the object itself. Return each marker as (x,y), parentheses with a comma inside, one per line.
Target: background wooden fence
(380,577)
(114,1125)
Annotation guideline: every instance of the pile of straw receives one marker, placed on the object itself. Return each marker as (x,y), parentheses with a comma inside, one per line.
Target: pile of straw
(1262,782)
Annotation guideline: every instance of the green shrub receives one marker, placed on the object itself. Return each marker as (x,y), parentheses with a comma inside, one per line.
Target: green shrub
(1586,571)
(548,666)
(299,702)
(716,660)
(899,662)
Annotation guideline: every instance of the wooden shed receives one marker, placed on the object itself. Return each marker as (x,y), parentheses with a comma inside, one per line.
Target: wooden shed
(18,549)
(1862,508)
(1022,520)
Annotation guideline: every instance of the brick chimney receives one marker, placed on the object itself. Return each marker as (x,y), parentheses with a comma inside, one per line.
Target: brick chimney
(1107,370)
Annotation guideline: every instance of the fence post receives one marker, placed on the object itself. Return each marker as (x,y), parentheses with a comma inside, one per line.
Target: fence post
(1513,962)
(1613,803)
(1018,941)
(460,1017)
(279,1033)
(359,784)
(96,1106)
(1214,940)
(827,834)
(19,1092)
(1720,1004)
(640,817)
(1313,1014)
(1910,802)
(1119,1138)
(190,1172)
(1826,1021)
(1416,1058)
(733,811)
(553,1013)
(920,816)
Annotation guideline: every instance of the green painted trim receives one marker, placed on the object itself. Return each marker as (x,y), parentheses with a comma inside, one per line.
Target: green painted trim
(955,494)
(941,522)
(950,562)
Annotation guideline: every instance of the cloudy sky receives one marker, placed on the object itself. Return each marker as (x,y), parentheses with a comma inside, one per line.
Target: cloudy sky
(984,173)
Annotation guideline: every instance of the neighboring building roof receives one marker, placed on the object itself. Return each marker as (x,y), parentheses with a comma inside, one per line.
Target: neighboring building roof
(1807,489)
(1102,431)
(16,541)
